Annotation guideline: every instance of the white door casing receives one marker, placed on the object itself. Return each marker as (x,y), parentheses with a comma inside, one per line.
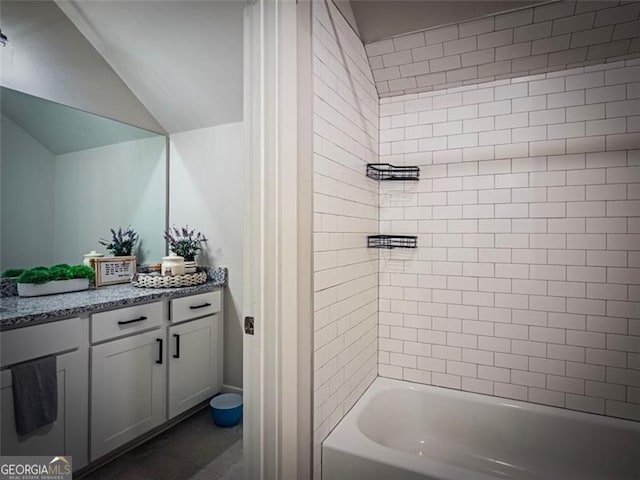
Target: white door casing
(277,358)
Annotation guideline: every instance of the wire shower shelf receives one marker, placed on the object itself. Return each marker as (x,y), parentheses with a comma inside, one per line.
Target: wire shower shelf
(392,241)
(386,171)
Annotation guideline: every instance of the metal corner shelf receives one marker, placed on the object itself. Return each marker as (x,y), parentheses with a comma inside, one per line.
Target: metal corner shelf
(392,241)
(386,171)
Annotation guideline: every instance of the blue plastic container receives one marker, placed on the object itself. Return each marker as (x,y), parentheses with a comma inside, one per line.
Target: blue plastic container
(226,409)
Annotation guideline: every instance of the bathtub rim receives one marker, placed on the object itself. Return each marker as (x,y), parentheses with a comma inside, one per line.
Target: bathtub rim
(347,437)
(383,383)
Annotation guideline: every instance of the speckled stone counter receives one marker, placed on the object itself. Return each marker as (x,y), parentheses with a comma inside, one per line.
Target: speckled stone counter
(16,312)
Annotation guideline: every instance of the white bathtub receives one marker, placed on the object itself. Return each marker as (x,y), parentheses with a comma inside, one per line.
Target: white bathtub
(400,430)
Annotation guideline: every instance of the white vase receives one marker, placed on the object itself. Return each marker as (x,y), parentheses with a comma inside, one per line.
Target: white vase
(53,287)
(173,265)
(190,267)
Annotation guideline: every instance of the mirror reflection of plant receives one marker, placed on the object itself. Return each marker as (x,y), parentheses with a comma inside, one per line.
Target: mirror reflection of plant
(122,242)
(184,242)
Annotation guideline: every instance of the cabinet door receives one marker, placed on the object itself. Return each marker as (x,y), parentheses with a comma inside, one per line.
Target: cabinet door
(68,434)
(128,388)
(193,363)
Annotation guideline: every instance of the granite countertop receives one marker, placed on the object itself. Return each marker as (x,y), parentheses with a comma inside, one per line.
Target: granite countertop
(16,312)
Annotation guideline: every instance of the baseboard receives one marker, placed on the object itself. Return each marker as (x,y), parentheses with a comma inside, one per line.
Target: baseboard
(231,389)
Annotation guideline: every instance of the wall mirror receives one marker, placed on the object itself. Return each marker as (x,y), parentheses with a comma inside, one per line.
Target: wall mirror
(68,176)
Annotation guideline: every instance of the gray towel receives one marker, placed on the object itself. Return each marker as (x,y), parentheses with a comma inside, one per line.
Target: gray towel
(35,394)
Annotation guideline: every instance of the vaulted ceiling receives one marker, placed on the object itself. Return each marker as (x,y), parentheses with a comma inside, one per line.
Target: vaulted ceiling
(548,37)
(164,65)
(380,19)
(49,58)
(182,59)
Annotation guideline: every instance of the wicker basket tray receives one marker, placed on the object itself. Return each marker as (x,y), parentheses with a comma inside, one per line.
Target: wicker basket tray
(143,280)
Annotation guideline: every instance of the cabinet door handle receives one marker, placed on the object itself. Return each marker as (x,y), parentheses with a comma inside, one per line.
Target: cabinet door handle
(177,354)
(159,361)
(125,322)
(195,307)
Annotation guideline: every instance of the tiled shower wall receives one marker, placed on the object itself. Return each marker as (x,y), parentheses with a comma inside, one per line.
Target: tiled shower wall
(345,212)
(526,282)
(550,37)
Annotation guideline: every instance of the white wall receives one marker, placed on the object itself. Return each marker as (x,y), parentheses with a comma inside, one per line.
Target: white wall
(110,187)
(345,211)
(526,280)
(206,192)
(25,162)
(48,57)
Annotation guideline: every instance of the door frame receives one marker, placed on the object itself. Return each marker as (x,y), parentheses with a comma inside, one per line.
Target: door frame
(278,358)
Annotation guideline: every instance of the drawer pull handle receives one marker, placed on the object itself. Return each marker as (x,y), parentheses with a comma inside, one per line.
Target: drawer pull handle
(159,361)
(177,354)
(195,307)
(125,322)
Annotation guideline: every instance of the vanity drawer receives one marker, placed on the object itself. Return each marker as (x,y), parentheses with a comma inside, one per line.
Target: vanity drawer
(186,308)
(26,343)
(125,321)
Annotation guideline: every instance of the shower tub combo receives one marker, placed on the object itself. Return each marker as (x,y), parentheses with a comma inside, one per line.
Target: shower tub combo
(404,431)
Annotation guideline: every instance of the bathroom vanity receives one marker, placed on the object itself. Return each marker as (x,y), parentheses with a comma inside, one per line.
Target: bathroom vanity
(128,361)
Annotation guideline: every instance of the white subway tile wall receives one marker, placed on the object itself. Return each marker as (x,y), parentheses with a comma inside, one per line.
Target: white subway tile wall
(345,212)
(541,39)
(526,280)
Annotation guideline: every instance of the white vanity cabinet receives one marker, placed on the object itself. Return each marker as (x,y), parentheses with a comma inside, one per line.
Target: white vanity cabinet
(68,434)
(121,373)
(195,352)
(128,376)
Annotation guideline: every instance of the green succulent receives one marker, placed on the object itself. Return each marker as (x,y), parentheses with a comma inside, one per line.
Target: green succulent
(62,271)
(35,275)
(12,272)
(82,271)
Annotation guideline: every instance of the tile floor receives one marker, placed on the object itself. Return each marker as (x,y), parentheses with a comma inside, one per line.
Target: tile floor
(195,449)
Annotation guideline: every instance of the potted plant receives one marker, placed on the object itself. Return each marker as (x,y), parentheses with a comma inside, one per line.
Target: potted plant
(122,242)
(60,278)
(12,273)
(185,243)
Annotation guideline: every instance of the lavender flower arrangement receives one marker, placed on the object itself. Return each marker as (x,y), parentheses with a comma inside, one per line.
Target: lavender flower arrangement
(184,242)
(122,242)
